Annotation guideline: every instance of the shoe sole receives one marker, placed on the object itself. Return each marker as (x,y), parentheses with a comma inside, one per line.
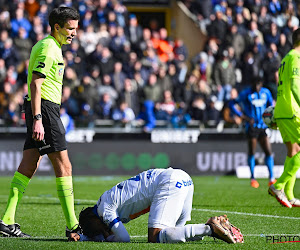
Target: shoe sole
(280,201)
(295,206)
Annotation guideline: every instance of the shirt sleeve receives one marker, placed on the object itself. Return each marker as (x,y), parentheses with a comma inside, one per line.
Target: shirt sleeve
(120,233)
(43,62)
(295,68)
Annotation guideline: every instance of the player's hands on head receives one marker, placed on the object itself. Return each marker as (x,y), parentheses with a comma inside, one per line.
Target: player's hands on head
(38,131)
(74,237)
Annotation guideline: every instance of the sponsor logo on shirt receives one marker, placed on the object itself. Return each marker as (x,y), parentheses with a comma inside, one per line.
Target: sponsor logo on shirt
(184,183)
(296,71)
(41,65)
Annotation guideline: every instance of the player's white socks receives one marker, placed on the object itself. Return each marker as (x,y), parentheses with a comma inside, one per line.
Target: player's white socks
(182,234)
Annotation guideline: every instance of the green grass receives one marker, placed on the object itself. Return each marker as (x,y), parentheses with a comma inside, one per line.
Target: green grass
(252,210)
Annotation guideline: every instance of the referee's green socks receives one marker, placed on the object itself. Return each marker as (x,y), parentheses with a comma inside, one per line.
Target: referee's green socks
(17,189)
(287,178)
(64,187)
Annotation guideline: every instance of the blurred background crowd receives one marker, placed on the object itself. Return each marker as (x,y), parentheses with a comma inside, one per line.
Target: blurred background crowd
(118,71)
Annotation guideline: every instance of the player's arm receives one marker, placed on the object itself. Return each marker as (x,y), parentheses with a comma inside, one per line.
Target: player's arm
(120,233)
(35,87)
(295,87)
(232,105)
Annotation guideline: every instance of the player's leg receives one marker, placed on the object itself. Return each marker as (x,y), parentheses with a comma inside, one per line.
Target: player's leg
(290,133)
(168,209)
(291,166)
(269,160)
(27,168)
(56,149)
(252,142)
(63,171)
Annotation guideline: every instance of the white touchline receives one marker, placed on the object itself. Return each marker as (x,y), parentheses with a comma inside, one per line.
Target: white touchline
(78,201)
(144,236)
(247,214)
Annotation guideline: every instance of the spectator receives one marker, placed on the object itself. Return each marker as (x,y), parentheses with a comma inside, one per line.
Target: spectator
(20,21)
(152,91)
(104,36)
(134,32)
(264,19)
(87,20)
(108,89)
(146,117)
(89,39)
(273,35)
(106,63)
(274,7)
(180,51)
(2,72)
(224,76)
(105,107)
(270,66)
(23,45)
(118,41)
(250,67)
(86,93)
(95,76)
(164,80)
(130,96)
(78,53)
(230,118)
(67,120)
(165,109)
(43,14)
(123,113)
(284,46)
(5,23)
(70,103)
(213,115)
(71,62)
(218,27)
(254,33)
(118,77)
(32,7)
(9,53)
(70,78)
(197,109)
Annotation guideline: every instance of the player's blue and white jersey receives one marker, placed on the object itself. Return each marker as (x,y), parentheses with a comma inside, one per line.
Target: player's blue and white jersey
(130,198)
(253,105)
(133,197)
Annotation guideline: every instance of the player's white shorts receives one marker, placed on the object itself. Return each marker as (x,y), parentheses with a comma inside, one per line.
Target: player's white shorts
(172,202)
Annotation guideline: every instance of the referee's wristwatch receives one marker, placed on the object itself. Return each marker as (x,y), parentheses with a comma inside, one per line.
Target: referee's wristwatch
(37,117)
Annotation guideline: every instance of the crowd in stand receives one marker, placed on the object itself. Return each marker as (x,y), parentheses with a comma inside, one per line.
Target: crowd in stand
(117,70)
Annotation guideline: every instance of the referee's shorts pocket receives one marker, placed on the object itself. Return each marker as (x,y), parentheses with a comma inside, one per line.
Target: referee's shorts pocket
(60,126)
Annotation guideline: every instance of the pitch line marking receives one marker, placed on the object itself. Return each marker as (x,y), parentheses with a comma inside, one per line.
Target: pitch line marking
(195,209)
(141,236)
(247,214)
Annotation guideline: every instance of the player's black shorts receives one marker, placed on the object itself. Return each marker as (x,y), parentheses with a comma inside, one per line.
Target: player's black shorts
(256,132)
(54,139)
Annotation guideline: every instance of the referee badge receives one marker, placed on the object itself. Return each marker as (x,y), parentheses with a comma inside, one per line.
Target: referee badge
(60,71)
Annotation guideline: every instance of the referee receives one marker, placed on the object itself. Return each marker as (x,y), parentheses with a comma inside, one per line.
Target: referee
(45,131)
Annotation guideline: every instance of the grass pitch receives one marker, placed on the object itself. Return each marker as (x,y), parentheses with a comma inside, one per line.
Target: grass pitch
(257,214)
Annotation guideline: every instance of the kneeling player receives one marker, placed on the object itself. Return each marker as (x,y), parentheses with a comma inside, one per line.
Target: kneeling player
(167,194)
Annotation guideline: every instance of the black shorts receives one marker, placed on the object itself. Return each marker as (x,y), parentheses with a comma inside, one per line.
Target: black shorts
(256,132)
(54,139)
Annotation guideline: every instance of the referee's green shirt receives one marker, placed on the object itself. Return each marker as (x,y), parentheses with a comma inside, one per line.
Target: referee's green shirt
(286,105)
(46,60)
